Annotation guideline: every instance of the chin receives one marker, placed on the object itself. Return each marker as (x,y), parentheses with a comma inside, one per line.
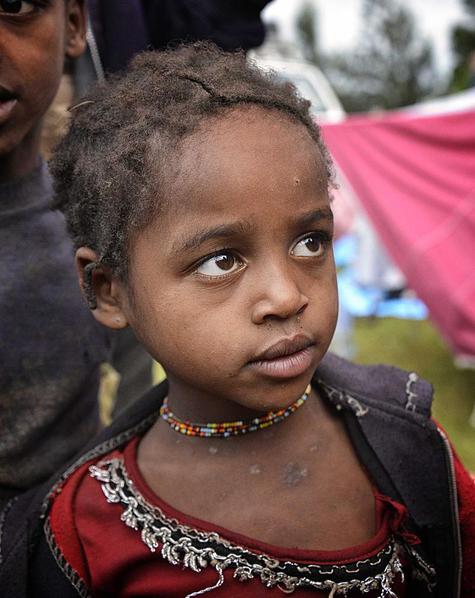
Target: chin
(280,396)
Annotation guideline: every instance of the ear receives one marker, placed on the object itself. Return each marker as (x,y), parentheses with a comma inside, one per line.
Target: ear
(75,28)
(106,295)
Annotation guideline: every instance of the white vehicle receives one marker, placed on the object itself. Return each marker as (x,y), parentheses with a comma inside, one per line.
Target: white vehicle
(309,81)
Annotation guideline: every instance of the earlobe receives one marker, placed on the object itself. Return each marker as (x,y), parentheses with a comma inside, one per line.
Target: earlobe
(103,292)
(75,28)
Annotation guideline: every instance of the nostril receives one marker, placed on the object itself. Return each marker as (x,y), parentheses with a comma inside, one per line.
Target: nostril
(282,315)
(280,301)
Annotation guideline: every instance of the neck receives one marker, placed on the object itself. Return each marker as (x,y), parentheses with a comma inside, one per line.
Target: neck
(200,406)
(302,424)
(190,406)
(233,428)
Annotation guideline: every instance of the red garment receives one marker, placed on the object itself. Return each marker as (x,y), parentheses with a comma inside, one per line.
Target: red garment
(466,505)
(466,500)
(113,560)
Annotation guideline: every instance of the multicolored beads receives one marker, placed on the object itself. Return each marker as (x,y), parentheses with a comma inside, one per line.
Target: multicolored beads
(226,429)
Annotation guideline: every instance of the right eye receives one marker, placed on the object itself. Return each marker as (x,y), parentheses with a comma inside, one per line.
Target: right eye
(16,7)
(220,264)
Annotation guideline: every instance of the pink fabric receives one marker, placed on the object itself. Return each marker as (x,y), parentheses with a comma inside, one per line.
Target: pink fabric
(344,211)
(415,176)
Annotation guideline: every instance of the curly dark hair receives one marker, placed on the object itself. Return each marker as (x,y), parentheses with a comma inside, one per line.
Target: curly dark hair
(123,135)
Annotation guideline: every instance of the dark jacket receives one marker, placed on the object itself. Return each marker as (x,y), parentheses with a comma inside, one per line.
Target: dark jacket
(387,413)
(119,30)
(122,29)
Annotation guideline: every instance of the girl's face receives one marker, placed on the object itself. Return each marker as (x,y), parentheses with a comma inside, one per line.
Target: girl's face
(233,288)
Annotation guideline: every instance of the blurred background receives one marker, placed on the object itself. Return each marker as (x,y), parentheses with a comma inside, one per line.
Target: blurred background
(392,84)
(425,46)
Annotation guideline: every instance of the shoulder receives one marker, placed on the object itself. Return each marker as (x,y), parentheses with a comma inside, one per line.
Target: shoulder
(387,414)
(74,528)
(71,543)
(90,502)
(62,526)
(381,387)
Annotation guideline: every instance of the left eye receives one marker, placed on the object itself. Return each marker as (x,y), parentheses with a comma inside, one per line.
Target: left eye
(310,246)
(220,265)
(16,7)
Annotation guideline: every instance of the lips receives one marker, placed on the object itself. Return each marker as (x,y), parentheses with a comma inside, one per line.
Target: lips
(288,358)
(8,101)
(285,347)
(6,94)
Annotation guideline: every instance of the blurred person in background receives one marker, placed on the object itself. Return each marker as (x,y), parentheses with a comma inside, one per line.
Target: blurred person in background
(119,30)
(50,346)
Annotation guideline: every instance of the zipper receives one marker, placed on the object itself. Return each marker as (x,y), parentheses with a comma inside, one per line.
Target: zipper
(455,514)
(94,51)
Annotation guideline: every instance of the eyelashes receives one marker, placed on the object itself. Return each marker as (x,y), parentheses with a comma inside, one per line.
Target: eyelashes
(311,245)
(226,262)
(220,264)
(21,8)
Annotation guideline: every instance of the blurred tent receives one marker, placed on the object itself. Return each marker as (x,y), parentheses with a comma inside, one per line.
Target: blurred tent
(413,171)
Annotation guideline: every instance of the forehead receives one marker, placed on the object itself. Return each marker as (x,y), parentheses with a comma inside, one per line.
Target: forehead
(251,159)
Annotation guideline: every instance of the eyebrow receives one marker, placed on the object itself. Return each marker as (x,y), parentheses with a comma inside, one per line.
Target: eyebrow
(315,216)
(242,227)
(223,231)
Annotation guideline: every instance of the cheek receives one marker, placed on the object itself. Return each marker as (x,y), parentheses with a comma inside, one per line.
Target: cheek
(174,326)
(324,303)
(44,85)
(42,63)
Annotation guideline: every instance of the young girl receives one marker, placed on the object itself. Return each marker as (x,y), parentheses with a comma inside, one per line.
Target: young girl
(196,190)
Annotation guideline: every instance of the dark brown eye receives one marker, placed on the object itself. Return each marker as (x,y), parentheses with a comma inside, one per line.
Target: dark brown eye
(220,264)
(225,262)
(310,246)
(15,7)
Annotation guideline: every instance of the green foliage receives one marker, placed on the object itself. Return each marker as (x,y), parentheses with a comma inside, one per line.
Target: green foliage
(307,29)
(391,66)
(417,346)
(463,44)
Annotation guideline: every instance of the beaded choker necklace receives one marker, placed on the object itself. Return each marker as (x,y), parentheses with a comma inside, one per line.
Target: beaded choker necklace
(225,429)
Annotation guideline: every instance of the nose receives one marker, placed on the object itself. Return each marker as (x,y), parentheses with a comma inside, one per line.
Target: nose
(279,295)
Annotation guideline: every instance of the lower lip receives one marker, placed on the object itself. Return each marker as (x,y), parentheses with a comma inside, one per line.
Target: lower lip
(289,366)
(6,109)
